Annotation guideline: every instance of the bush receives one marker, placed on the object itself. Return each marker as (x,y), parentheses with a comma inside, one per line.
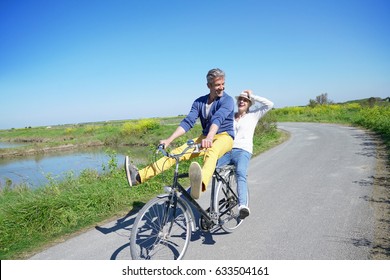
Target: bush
(90,129)
(377,119)
(69,130)
(139,127)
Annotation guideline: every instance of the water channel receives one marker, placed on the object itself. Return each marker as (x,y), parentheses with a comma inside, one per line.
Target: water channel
(36,170)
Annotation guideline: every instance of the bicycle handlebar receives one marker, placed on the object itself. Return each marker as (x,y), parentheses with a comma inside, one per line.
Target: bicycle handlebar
(190,143)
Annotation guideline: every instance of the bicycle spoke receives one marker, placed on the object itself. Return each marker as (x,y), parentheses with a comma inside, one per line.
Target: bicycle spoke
(228,205)
(160,231)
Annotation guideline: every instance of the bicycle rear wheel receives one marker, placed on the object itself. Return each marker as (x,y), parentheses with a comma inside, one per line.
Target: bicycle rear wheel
(161,231)
(228,205)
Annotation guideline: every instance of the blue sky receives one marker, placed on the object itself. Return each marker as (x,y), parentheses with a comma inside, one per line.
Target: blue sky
(70,61)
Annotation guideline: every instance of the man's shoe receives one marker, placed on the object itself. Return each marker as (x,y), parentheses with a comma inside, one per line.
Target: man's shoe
(244,211)
(131,172)
(195,174)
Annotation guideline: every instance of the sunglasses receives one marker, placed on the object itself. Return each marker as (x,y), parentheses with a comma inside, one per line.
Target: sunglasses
(243,99)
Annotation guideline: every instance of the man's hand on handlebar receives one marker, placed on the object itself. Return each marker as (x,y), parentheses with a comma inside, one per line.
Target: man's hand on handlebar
(207,143)
(165,143)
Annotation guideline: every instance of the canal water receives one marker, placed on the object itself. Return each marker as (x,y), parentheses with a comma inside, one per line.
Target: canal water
(36,170)
(4,145)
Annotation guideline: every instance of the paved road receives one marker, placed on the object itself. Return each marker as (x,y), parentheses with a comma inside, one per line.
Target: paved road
(309,199)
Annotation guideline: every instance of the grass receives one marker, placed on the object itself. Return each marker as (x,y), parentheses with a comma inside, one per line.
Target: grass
(30,219)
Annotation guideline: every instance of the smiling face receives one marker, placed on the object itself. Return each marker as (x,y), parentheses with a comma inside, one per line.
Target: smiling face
(217,86)
(243,104)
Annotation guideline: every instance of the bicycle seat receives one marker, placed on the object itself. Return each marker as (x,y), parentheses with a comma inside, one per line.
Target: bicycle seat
(225,168)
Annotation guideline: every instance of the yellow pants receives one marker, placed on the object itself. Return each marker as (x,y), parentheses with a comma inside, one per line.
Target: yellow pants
(222,143)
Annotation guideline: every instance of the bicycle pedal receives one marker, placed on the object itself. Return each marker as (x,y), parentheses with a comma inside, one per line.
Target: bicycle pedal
(205,226)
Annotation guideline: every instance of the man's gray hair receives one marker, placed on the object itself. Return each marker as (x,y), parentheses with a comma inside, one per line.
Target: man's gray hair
(214,73)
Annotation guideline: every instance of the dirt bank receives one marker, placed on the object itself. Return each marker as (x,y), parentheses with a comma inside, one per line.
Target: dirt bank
(381,204)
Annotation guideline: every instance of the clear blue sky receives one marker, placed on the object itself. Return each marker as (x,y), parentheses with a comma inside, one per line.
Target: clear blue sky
(67,61)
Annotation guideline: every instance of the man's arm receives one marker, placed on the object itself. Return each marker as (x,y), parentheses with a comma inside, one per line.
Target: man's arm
(177,133)
(186,124)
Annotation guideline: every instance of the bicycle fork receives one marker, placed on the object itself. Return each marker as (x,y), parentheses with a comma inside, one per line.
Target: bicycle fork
(213,201)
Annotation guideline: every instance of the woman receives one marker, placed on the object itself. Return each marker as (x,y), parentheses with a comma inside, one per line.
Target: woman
(245,122)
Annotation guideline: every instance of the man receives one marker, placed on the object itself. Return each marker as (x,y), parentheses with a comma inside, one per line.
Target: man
(216,113)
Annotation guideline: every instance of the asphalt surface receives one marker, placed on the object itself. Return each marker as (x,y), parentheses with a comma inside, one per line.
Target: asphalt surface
(309,200)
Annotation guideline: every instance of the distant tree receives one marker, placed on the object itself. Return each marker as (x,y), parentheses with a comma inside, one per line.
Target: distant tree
(321,99)
(312,103)
(371,101)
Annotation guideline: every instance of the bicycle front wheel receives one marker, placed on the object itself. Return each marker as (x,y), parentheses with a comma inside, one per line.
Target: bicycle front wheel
(161,231)
(228,205)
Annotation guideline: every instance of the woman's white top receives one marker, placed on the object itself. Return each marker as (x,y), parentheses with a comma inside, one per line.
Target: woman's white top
(245,127)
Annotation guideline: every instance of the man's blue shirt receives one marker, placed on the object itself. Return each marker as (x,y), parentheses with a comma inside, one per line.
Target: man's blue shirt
(221,113)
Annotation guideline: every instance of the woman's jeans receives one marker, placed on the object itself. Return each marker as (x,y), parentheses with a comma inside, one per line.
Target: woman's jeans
(240,159)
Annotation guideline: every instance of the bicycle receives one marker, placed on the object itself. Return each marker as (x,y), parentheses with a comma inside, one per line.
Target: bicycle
(163,227)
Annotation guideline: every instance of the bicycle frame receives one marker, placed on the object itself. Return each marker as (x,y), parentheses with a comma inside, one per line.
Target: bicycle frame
(189,200)
(211,218)
(163,228)
(176,186)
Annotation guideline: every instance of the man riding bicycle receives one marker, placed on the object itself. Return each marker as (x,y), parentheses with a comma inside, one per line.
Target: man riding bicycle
(216,113)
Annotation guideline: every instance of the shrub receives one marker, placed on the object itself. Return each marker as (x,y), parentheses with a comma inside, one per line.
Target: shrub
(69,130)
(139,127)
(377,119)
(90,129)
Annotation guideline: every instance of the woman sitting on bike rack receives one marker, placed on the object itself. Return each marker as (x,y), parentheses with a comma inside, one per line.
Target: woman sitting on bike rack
(215,111)
(245,122)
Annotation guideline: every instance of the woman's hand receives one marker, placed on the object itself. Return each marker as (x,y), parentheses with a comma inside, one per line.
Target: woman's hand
(249,92)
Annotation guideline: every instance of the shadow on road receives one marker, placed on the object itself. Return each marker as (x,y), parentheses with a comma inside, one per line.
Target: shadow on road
(123,227)
(124,222)
(369,143)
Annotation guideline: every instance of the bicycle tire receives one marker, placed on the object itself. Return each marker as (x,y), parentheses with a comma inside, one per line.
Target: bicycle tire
(161,231)
(228,205)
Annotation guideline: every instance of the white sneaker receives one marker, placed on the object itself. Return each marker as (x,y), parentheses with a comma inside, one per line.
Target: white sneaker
(244,211)
(195,174)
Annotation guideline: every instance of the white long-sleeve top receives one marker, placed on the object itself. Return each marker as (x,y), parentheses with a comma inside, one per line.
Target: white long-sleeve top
(245,127)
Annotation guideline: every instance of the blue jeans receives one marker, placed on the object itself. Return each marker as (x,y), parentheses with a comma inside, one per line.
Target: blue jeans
(240,159)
